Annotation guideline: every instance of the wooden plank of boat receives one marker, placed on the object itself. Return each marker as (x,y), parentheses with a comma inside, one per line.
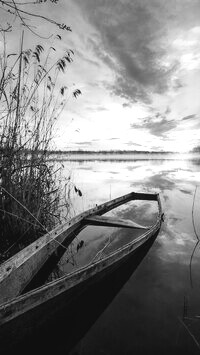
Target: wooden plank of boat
(113,222)
(24,303)
(19,270)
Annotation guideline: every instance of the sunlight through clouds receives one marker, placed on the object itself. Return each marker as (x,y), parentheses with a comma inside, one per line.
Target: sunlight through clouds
(133,60)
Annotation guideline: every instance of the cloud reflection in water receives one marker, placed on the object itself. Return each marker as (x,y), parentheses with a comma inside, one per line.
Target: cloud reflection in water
(153,298)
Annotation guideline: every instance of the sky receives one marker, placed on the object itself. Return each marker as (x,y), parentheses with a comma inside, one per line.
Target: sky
(137,64)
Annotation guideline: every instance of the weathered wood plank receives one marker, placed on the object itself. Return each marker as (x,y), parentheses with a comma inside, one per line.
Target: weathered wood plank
(113,222)
(40,295)
(18,271)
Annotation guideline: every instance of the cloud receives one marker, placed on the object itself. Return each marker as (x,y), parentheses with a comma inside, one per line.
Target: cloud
(126,88)
(168,110)
(96,108)
(134,144)
(130,41)
(83,143)
(188,117)
(101,53)
(159,181)
(126,104)
(108,139)
(86,59)
(157,125)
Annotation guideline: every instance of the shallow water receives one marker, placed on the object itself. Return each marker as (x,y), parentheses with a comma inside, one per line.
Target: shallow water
(157,308)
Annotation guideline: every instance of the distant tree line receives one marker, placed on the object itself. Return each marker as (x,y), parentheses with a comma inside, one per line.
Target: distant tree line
(108,152)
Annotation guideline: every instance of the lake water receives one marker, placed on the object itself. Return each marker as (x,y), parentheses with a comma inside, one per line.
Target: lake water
(158,308)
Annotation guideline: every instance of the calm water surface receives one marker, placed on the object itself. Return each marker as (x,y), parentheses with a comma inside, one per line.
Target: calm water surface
(147,313)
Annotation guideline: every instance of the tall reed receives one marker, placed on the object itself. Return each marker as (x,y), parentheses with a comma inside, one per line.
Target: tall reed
(31,102)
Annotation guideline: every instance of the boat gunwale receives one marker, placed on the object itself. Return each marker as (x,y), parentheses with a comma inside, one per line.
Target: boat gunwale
(62,228)
(87,270)
(47,238)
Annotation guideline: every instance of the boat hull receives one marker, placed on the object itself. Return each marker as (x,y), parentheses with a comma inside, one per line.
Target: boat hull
(67,314)
(17,272)
(26,318)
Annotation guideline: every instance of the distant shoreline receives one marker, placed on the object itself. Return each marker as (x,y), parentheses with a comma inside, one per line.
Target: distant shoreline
(122,156)
(110,152)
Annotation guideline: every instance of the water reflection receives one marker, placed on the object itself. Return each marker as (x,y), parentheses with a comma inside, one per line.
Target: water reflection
(91,241)
(151,302)
(68,320)
(191,259)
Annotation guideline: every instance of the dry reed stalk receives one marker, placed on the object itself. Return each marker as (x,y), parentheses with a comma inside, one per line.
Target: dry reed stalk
(31,103)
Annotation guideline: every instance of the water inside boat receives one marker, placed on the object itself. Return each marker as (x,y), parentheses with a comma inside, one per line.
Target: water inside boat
(95,242)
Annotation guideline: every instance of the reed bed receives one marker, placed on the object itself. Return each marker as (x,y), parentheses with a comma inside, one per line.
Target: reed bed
(31,103)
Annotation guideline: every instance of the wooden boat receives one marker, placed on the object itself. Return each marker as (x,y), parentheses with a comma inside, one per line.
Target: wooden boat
(17,306)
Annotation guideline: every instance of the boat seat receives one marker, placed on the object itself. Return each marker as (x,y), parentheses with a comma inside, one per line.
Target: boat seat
(112,222)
